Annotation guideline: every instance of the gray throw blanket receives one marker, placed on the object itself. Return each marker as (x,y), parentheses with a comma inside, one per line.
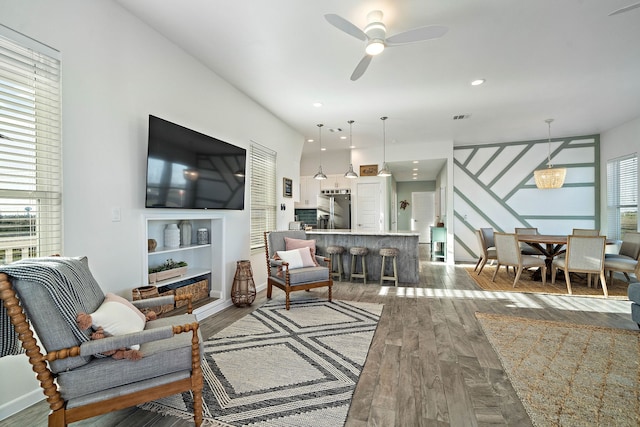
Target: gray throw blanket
(67,280)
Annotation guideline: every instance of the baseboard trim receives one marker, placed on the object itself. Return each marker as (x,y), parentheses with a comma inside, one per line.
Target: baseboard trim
(21,403)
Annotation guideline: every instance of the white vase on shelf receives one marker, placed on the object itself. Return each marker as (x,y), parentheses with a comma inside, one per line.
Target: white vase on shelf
(172,236)
(185,232)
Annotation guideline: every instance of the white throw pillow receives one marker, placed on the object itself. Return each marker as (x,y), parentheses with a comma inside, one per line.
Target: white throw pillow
(297,258)
(117,316)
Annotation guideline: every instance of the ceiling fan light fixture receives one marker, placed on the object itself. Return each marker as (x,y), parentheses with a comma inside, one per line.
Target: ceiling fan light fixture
(374,47)
(549,178)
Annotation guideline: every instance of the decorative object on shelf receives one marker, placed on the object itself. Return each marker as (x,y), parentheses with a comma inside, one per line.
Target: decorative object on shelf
(146,292)
(550,177)
(404,204)
(385,169)
(243,291)
(172,236)
(167,270)
(185,232)
(368,170)
(320,174)
(287,187)
(151,245)
(350,173)
(203,236)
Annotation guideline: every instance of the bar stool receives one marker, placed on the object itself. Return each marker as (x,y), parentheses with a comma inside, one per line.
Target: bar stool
(334,252)
(356,252)
(391,253)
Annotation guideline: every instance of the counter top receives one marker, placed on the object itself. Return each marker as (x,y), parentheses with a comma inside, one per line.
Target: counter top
(364,233)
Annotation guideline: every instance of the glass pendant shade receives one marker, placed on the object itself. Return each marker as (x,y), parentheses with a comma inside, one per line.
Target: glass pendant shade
(320,174)
(350,173)
(550,177)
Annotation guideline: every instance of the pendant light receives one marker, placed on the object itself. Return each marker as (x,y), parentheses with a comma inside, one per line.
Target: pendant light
(550,177)
(385,169)
(350,173)
(320,174)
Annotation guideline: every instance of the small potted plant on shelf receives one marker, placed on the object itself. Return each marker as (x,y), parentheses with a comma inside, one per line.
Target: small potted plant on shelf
(167,270)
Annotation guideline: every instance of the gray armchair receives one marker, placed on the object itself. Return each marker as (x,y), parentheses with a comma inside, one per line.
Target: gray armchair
(290,280)
(78,380)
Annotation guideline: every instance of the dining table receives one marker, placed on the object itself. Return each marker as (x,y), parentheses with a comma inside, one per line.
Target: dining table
(549,245)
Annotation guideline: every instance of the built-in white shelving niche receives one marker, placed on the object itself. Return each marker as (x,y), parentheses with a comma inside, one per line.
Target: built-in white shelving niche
(202,259)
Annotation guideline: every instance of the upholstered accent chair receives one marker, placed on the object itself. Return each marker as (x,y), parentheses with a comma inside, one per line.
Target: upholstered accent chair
(42,297)
(634,296)
(585,254)
(290,277)
(486,252)
(509,254)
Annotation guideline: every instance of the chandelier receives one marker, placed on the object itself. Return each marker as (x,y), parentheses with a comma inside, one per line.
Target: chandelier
(550,177)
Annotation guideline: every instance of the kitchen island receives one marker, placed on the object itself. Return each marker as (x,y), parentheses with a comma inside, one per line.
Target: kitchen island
(405,241)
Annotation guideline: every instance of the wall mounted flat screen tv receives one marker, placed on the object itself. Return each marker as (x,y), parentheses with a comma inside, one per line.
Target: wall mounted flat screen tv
(190,170)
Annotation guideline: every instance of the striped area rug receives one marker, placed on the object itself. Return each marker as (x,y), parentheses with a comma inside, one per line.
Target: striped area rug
(283,368)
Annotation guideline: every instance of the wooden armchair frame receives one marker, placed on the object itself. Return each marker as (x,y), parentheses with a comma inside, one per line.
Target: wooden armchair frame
(287,287)
(61,416)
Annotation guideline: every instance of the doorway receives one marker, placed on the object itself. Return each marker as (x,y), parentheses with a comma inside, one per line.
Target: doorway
(423,214)
(368,206)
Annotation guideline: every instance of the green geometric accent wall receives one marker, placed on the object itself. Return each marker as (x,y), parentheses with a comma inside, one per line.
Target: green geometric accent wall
(494,187)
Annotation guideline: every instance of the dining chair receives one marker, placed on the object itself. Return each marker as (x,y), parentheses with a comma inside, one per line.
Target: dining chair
(585,232)
(486,253)
(585,254)
(629,250)
(525,249)
(622,265)
(487,234)
(509,254)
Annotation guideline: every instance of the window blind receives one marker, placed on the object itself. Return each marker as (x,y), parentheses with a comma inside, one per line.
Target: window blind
(622,196)
(263,193)
(30,152)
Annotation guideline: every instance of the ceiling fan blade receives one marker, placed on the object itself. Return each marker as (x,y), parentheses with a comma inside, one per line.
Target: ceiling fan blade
(625,9)
(417,35)
(361,67)
(346,26)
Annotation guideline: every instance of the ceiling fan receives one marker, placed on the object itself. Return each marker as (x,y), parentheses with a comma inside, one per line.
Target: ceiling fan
(375,34)
(625,9)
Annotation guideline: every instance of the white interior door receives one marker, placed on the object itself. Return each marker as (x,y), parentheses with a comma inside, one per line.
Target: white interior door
(423,214)
(368,217)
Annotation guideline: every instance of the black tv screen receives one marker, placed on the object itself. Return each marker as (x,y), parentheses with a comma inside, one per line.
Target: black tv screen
(190,170)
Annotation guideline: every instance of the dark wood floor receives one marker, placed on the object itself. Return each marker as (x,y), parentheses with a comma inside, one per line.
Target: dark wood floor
(429,363)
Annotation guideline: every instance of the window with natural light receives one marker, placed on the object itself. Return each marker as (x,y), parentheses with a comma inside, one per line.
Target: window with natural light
(30,155)
(263,194)
(622,196)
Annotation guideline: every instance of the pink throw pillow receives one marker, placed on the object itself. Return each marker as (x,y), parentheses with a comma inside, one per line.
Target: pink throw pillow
(291,244)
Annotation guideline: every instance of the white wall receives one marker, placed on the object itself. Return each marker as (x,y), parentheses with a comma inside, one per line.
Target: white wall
(116,71)
(617,142)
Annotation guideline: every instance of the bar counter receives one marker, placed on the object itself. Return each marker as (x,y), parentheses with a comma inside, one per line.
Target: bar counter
(405,241)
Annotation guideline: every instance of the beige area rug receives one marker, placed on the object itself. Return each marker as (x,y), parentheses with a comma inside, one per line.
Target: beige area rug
(568,374)
(504,283)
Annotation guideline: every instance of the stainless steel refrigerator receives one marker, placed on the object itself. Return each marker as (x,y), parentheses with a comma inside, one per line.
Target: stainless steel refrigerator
(334,211)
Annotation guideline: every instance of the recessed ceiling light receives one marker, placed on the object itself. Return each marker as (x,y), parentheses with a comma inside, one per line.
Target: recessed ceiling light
(415,169)
(477,82)
(415,161)
(415,177)
(343,137)
(310,140)
(352,146)
(415,174)
(323,149)
(317,104)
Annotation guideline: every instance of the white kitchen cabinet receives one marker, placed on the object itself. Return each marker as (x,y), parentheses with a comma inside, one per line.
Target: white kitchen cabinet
(334,182)
(309,190)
